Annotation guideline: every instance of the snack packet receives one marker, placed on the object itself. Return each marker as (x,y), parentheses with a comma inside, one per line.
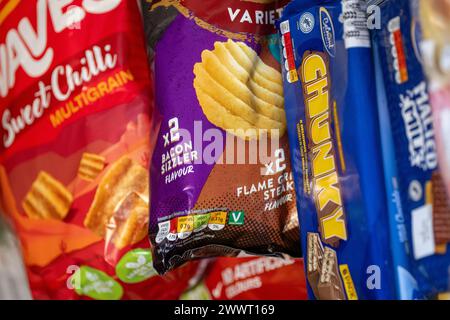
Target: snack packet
(220,175)
(75,124)
(435,45)
(405,283)
(332,117)
(421,190)
(251,278)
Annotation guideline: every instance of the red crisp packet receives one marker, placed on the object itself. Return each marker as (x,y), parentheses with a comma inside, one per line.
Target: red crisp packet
(252,278)
(76,106)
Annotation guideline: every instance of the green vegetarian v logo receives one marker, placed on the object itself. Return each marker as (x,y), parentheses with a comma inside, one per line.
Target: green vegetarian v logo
(236,218)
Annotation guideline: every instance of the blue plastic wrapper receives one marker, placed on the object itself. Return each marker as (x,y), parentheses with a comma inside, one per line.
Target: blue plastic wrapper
(333,127)
(406,284)
(421,244)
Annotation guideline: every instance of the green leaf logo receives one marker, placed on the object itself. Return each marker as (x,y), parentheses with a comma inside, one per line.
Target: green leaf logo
(136,266)
(96,284)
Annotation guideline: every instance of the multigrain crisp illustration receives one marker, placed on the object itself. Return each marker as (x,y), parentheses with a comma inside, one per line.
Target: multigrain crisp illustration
(48,198)
(125,185)
(129,223)
(90,166)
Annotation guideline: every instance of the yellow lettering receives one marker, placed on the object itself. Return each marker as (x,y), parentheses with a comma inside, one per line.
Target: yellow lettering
(323,160)
(126,76)
(333,226)
(320,129)
(326,181)
(66,112)
(326,191)
(318,103)
(103,88)
(314,68)
(73,108)
(56,119)
(92,95)
(112,84)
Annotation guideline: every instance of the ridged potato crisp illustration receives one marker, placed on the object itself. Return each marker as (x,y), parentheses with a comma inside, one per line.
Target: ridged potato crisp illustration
(47,198)
(238,91)
(90,166)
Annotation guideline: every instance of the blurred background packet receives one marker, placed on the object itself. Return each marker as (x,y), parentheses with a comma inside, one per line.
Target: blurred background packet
(76,111)
(435,48)
(13,280)
(251,278)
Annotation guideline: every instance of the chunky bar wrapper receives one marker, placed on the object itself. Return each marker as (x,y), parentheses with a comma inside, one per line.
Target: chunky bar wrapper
(332,124)
(75,106)
(220,174)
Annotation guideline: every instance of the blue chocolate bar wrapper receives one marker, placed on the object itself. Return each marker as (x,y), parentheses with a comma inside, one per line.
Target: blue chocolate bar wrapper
(331,106)
(426,257)
(406,284)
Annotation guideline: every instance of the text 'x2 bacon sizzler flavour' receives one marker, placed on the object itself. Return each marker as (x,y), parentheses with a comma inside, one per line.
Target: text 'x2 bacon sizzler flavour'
(220,173)
(75,108)
(333,131)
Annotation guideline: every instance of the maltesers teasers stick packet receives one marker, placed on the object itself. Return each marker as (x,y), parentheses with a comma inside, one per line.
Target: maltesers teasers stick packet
(332,117)
(435,21)
(421,193)
(75,107)
(220,174)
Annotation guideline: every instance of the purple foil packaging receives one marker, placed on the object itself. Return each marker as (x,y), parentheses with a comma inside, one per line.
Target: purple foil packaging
(221,180)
